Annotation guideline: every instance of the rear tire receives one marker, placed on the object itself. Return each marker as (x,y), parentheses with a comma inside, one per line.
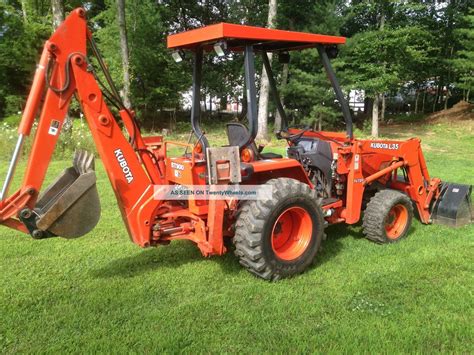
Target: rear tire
(279,237)
(388,217)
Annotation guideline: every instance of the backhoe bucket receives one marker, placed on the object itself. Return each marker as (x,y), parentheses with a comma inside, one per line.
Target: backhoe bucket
(70,206)
(453,207)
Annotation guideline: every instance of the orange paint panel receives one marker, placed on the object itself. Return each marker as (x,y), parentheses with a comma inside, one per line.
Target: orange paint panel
(232,31)
(273,164)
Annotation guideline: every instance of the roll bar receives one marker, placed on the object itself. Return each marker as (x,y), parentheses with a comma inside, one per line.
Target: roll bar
(274,90)
(196,103)
(332,78)
(337,89)
(252,114)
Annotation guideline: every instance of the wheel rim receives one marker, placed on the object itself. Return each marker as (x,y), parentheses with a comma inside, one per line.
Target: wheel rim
(396,221)
(292,233)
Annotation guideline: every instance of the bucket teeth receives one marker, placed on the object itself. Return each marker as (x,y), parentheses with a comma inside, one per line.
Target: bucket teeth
(70,206)
(83,161)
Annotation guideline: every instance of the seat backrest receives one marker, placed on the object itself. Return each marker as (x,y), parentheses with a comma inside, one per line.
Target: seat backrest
(237,134)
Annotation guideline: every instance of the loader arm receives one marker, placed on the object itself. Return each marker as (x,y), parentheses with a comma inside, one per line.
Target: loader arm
(64,71)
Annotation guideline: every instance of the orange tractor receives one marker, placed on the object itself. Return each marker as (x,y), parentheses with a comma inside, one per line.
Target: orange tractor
(326,177)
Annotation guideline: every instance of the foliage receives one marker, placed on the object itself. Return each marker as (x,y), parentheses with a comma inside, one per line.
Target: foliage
(309,96)
(464,63)
(382,60)
(393,46)
(20,42)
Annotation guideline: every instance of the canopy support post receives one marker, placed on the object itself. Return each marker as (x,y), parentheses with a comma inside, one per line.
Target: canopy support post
(337,89)
(196,106)
(274,90)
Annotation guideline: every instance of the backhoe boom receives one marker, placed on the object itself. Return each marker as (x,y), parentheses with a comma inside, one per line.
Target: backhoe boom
(62,72)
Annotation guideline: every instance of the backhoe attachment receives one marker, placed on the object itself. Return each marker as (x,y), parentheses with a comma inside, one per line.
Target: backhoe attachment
(70,206)
(453,207)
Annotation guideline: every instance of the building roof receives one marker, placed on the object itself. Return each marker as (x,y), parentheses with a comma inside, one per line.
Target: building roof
(237,36)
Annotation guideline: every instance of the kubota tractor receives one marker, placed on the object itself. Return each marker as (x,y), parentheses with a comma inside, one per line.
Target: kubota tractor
(326,177)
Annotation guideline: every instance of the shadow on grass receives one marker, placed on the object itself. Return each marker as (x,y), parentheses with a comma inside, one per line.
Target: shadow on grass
(151,259)
(181,253)
(333,243)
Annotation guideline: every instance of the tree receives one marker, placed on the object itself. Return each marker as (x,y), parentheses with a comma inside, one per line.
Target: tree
(57,8)
(284,83)
(397,50)
(395,46)
(20,42)
(264,84)
(309,97)
(124,52)
(24,11)
(463,64)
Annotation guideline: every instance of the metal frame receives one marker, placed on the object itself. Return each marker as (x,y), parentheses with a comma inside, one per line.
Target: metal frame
(196,106)
(252,113)
(274,90)
(337,89)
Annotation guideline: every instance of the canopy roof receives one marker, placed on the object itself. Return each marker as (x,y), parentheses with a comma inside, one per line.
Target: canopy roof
(237,36)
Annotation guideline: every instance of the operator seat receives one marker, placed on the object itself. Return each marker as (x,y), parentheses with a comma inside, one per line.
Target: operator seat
(237,134)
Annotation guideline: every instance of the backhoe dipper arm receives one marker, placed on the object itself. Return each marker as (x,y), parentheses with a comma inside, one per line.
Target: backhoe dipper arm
(62,72)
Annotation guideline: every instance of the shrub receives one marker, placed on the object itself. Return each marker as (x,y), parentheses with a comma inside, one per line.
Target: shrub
(13,104)
(79,137)
(12,120)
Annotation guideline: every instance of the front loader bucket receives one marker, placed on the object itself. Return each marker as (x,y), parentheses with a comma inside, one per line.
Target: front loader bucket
(70,206)
(453,207)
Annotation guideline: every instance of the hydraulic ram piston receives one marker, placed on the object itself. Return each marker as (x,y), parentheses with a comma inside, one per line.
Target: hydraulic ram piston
(12,166)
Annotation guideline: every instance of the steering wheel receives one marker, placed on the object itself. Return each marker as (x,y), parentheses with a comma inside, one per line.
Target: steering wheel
(291,137)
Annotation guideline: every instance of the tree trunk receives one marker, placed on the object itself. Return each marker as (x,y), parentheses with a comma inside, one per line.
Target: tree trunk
(284,81)
(244,105)
(24,11)
(447,98)
(124,52)
(264,84)
(375,117)
(384,69)
(438,93)
(57,8)
(423,102)
(368,103)
(382,113)
(416,101)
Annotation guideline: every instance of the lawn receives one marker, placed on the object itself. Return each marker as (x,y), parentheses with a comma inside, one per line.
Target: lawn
(101,293)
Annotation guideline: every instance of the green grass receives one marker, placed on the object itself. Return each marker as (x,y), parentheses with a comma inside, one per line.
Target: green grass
(101,293)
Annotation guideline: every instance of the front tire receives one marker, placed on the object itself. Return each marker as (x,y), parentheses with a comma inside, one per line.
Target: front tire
(388,217)
(279,237)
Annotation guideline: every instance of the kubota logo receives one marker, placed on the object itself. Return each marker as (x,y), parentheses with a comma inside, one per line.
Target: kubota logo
(380,145)
(124,165)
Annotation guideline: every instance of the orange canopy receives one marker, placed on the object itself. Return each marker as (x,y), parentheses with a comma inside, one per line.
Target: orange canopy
(237,36)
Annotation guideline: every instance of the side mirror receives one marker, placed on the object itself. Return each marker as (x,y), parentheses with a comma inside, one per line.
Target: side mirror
(284,57)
